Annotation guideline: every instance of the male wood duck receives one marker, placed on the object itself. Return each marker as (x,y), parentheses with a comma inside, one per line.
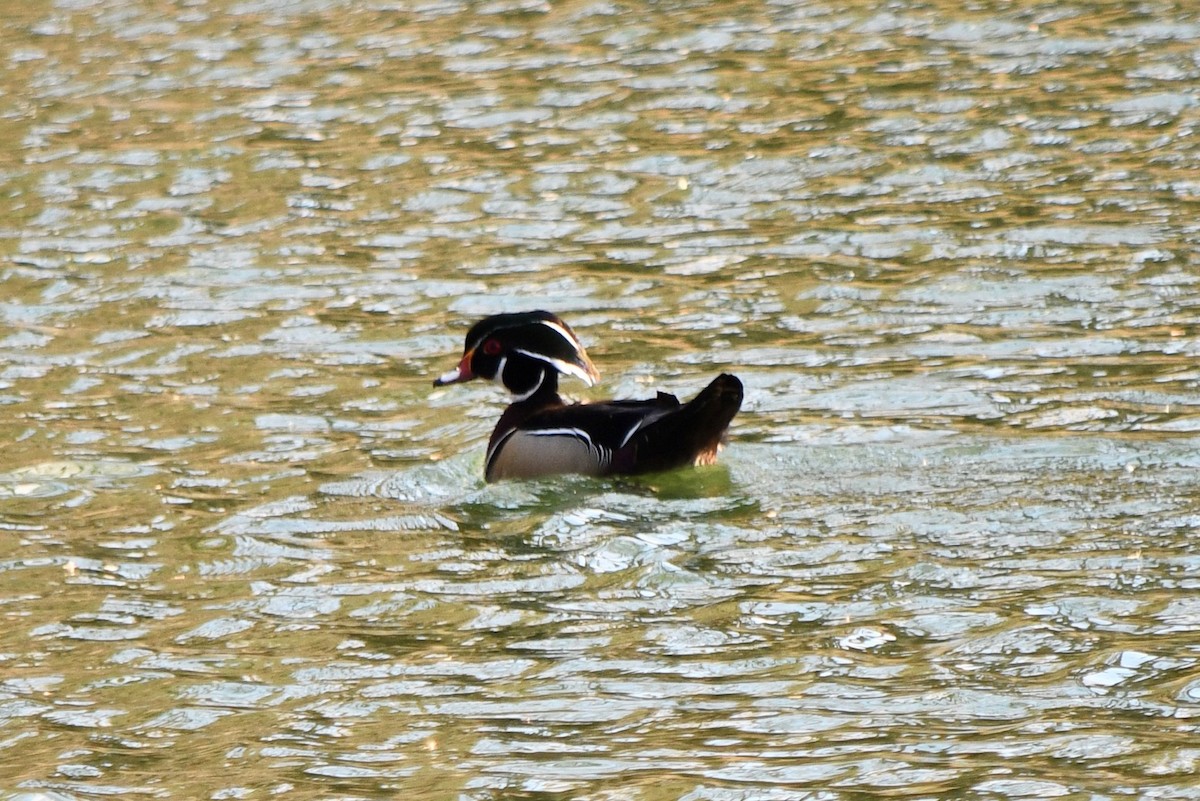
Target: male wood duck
(540,435)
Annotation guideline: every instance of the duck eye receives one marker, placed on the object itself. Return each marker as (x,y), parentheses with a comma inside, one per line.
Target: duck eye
(492,347)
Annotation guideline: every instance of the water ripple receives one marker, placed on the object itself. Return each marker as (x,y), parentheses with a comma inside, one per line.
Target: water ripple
(947,549)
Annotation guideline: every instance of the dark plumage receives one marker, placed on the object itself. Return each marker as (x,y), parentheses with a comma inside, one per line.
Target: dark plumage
(540,435)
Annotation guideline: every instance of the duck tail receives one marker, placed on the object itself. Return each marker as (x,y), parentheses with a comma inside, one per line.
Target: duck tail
(689,435)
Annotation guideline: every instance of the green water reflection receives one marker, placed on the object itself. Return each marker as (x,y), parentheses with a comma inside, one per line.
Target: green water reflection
(247,551)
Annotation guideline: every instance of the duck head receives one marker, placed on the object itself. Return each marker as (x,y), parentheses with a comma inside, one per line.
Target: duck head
(524,351)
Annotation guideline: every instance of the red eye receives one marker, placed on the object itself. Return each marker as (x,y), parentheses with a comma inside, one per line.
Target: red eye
(492,347)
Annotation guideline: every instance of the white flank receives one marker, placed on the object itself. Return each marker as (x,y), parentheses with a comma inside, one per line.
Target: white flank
(494,449)
(603,455)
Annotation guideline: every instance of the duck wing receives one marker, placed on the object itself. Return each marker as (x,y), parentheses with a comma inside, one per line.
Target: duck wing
(625,437)
(581,438)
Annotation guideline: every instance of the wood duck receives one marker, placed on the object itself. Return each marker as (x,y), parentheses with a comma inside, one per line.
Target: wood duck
(540,435)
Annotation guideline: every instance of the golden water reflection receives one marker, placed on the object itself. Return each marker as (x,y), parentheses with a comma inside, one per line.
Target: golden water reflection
(247,551)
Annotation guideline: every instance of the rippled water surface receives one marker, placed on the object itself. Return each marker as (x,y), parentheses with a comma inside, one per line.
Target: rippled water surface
(245,548)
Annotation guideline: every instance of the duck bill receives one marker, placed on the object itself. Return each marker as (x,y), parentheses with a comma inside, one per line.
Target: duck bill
(457,375)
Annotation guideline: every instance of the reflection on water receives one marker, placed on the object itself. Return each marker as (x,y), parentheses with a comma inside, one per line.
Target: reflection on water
(247,550)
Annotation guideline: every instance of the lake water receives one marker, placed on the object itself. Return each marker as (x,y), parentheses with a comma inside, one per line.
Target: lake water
(246,551)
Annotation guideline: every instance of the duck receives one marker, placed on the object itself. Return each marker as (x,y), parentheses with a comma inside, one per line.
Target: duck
(539,434)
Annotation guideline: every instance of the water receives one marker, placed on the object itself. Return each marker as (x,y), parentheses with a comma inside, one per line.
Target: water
(246,548)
